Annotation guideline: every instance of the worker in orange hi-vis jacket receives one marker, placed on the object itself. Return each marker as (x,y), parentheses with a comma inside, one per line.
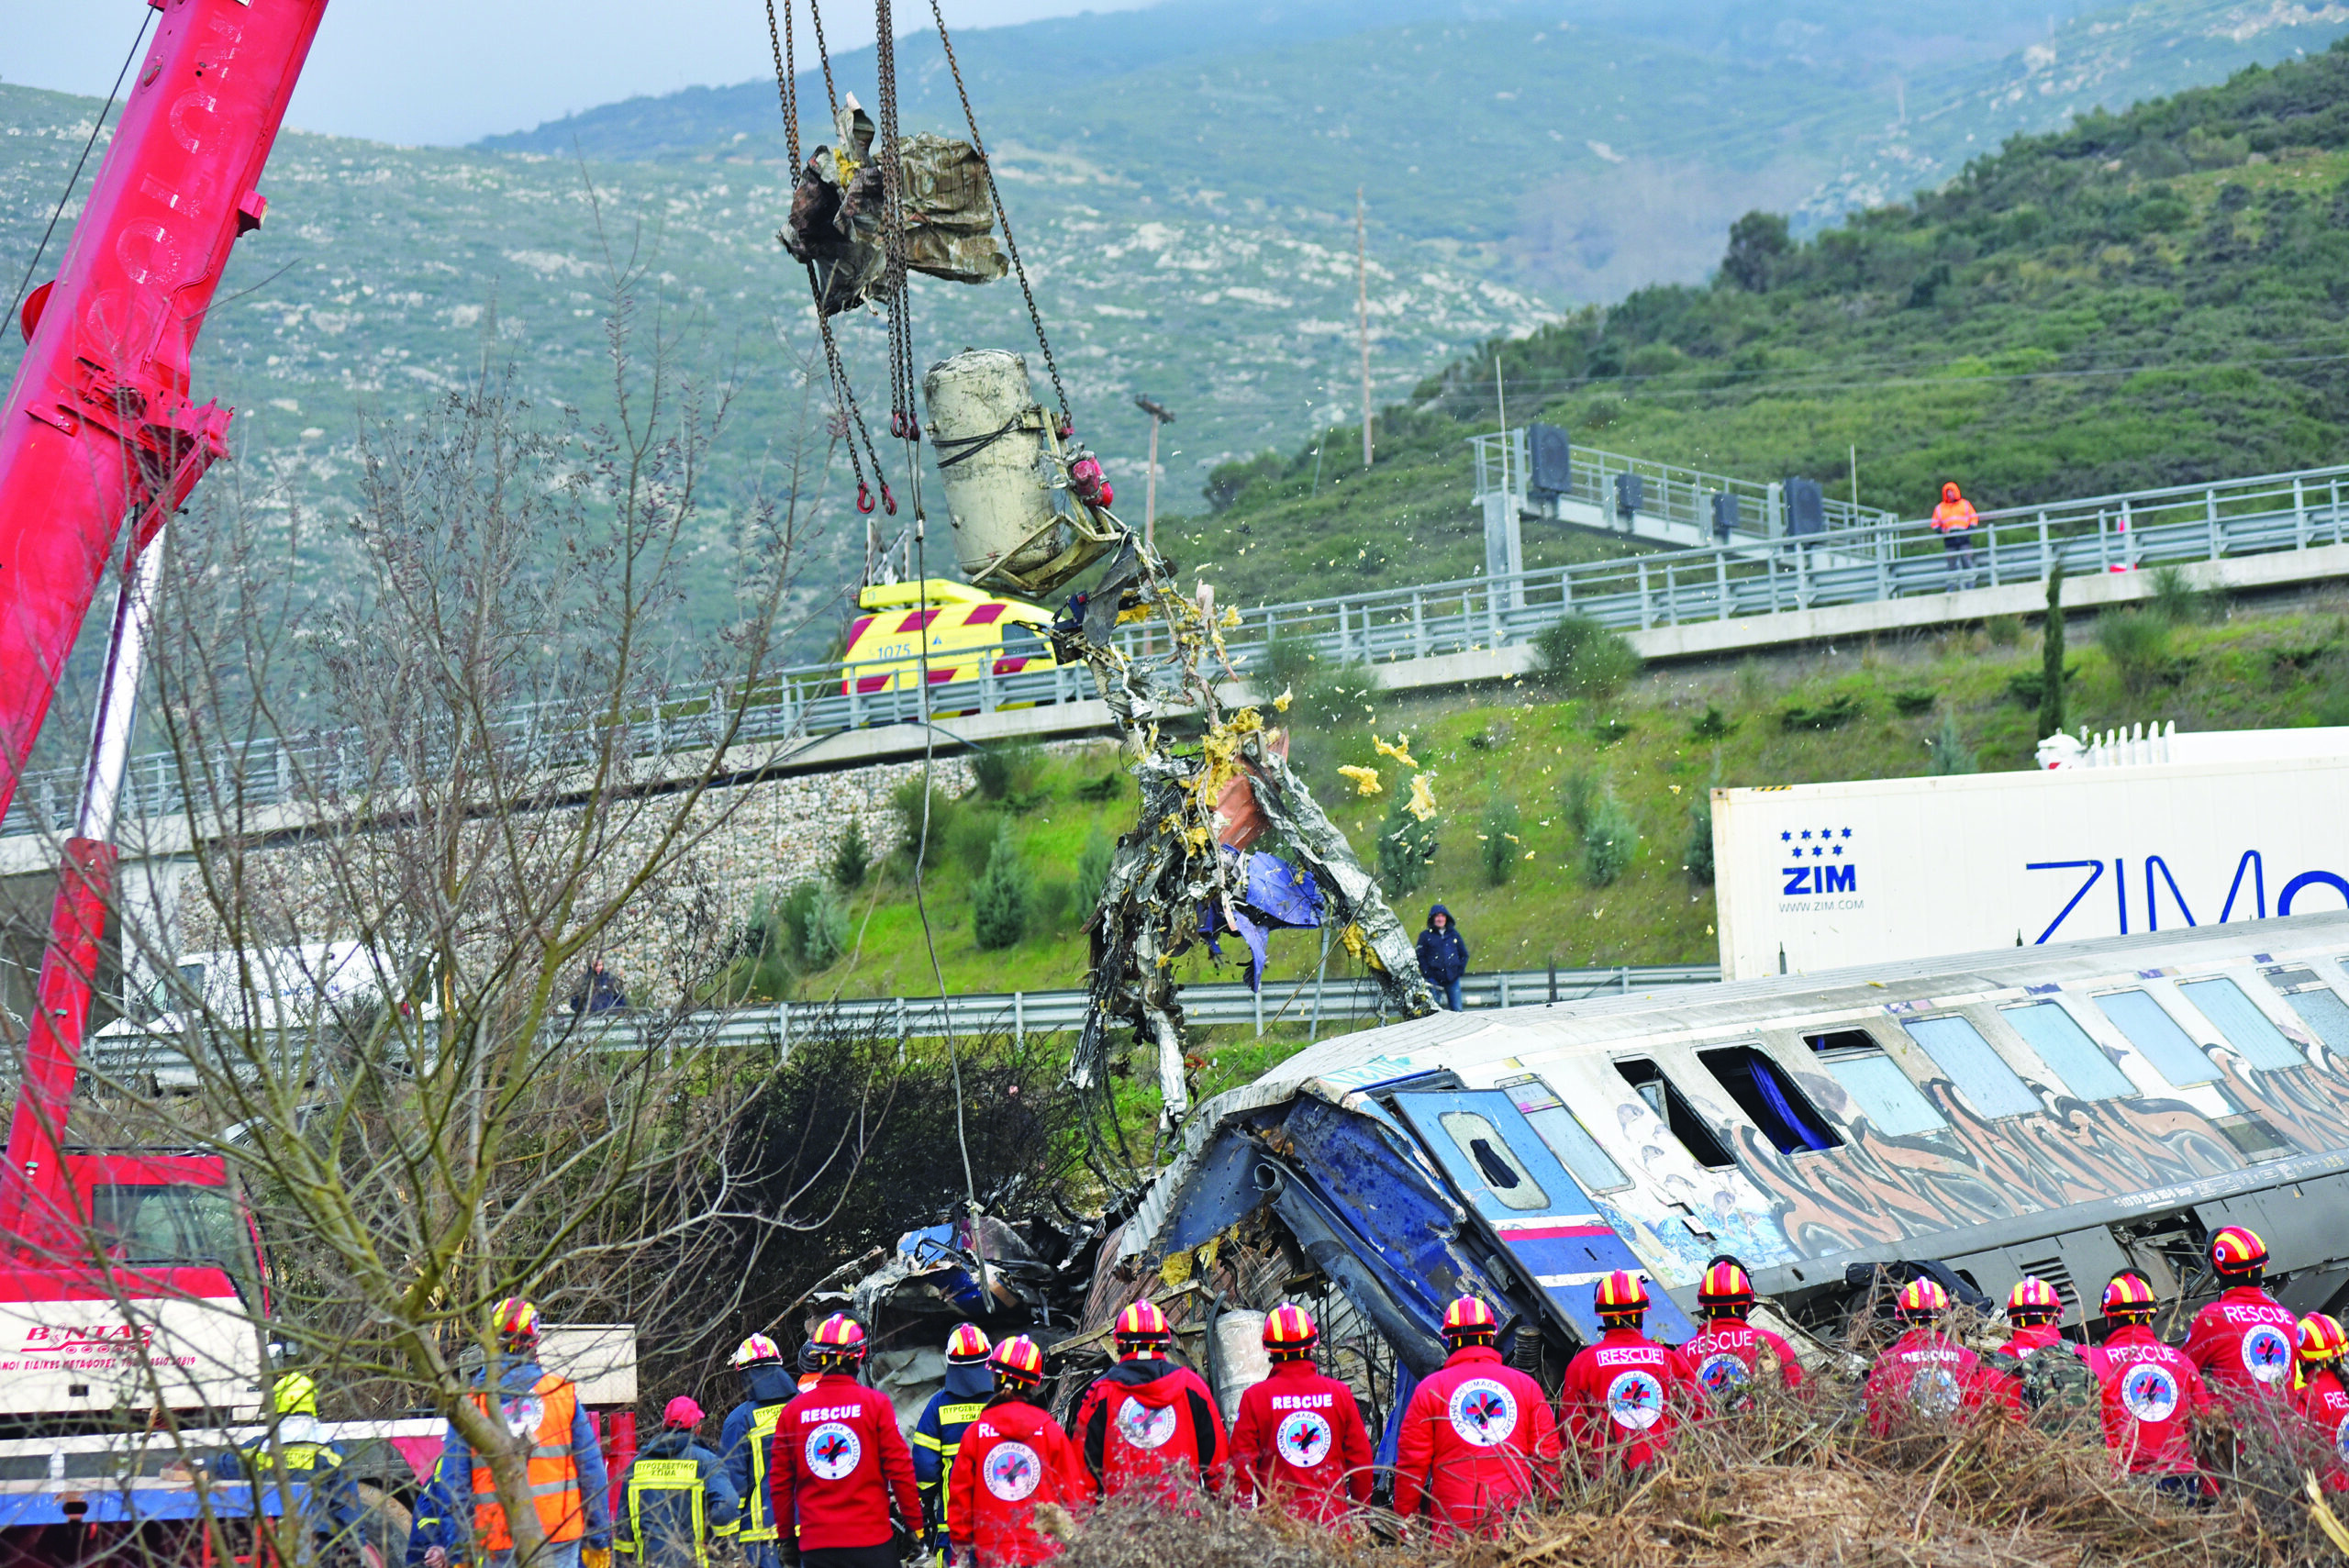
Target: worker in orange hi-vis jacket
(1299,1440)
(1477,1441)
(1955,519)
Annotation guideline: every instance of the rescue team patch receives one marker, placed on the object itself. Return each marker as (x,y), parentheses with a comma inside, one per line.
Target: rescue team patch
(523,1414)
(1722,1373)
(2266,1353)
(1302,1439)
(833,1451)
(2149,1393)
(1012,1471)
(1635,1400)
(1145,1425)
(1483,1412)
(1934,1393)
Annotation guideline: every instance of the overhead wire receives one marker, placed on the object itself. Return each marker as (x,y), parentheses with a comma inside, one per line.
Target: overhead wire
(74,179)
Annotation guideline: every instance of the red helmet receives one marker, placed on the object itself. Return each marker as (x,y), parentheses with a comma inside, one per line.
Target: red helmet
(2321,1338)
(1142,1331)
(840,1340)
(1469,1319)
(1920,1301)
(1290,1333)
(2129,1297)
(2033,1301)
(517,1321)
(1018,1363)
(2238,1250)
(754,1351)
(1727,1290)
(966,1344)
(1620,1295)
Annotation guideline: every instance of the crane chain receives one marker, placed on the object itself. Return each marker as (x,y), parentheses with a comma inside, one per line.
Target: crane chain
(1003,216)
(904,423)
(787,81)
(824,53)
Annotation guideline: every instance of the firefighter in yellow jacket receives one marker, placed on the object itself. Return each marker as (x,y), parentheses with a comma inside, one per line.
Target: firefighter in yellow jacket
(568,1482)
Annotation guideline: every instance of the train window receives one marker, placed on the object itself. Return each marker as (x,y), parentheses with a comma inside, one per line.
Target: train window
(1883,1092)
(2321,1010)
(2068,1052)
(2172,1053)
(1566,1137)
(2239,1018)
(1762,1089)
(1504,1174)
(1674,1111)
(1980,1074)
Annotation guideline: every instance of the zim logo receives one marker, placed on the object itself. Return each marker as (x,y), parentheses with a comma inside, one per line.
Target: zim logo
(1822,858)
(1012,1471)
(1635,1399)
(1144,1426)
(2267,1354)
(833,1451)
(1483,1412)
(1303,1438)
(2149,1394)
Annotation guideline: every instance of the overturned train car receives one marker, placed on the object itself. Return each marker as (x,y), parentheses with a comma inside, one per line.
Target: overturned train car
(2065,1111)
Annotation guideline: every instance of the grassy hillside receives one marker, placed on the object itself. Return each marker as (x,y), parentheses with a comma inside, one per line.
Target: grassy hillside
(1658,747)
(2148,298)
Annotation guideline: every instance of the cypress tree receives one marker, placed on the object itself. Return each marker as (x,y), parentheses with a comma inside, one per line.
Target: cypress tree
(2051,656)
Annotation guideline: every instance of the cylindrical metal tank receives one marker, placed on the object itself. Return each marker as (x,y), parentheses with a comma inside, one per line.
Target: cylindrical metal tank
(996,459)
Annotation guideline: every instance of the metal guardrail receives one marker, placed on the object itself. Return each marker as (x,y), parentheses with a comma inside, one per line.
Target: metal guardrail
(1855,564)
(1016,1013)
(1669,492)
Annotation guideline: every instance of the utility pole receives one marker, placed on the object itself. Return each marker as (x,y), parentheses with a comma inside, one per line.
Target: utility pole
(1856,482)
(1157,415)
(1362,318)
(1501,401)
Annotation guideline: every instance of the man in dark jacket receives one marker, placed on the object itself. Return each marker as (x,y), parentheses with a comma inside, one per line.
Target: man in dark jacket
(675,1497)
(1443,956)
(937,1432)
(747,1436)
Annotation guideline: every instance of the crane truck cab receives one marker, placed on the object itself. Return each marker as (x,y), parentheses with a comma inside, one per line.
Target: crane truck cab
(969,632)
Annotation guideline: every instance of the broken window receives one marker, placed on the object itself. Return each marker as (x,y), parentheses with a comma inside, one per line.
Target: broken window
(1763,1091)
(2319,1005)
(1882,1093)
(1674,1110)
(1566,1137)
(2078,1061)
(1989,1084)
(2239,1018)
(2152,1030)
(1504,1174)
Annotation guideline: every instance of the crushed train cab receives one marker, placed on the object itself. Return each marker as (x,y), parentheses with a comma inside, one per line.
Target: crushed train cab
(969,631)
(2066,1111)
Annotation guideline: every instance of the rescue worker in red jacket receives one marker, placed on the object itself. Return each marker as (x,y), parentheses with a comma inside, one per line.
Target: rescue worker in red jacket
(840,1468)
(1622,1396)
(1477,1440)
(1147,1421)
(2322,1397)
(1299,1440)
(2150,1391)
(2243,1341)
(1014,1459)
(2034,1309)
(1730,1356)
(1925,1377)
(1954,520)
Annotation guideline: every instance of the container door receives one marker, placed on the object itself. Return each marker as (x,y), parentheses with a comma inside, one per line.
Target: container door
(1532,1209)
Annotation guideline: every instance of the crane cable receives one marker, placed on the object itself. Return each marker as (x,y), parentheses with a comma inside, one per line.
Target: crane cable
(76,178)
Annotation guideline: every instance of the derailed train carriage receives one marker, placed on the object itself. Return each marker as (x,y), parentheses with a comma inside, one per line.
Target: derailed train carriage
(2066,1111)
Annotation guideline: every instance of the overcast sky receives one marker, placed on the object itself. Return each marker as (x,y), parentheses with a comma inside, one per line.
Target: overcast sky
(451,71)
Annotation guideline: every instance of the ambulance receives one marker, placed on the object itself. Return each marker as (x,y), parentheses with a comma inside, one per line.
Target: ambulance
(969,630)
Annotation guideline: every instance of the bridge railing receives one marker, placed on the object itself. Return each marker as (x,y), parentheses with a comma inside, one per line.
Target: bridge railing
(1857,564)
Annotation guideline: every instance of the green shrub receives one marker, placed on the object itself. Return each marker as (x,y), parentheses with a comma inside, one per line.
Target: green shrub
(1002,899)
(1406,849)
(1714,725)
(1055,897)
(1093,871)
(1499,844)
(1914,701)
(853,857)
(808,926)
(2004,631)
(1833,714)
(1578,790)
(1950,754)
(1608,731)
(1580,657)
(971,837)
(2137,642)
(1699,852)
(943,810)
(2178,601)
(1005,771)
(1609,840)
(1103,788)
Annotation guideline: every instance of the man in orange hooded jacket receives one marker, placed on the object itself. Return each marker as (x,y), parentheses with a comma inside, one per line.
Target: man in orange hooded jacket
(1955,519)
